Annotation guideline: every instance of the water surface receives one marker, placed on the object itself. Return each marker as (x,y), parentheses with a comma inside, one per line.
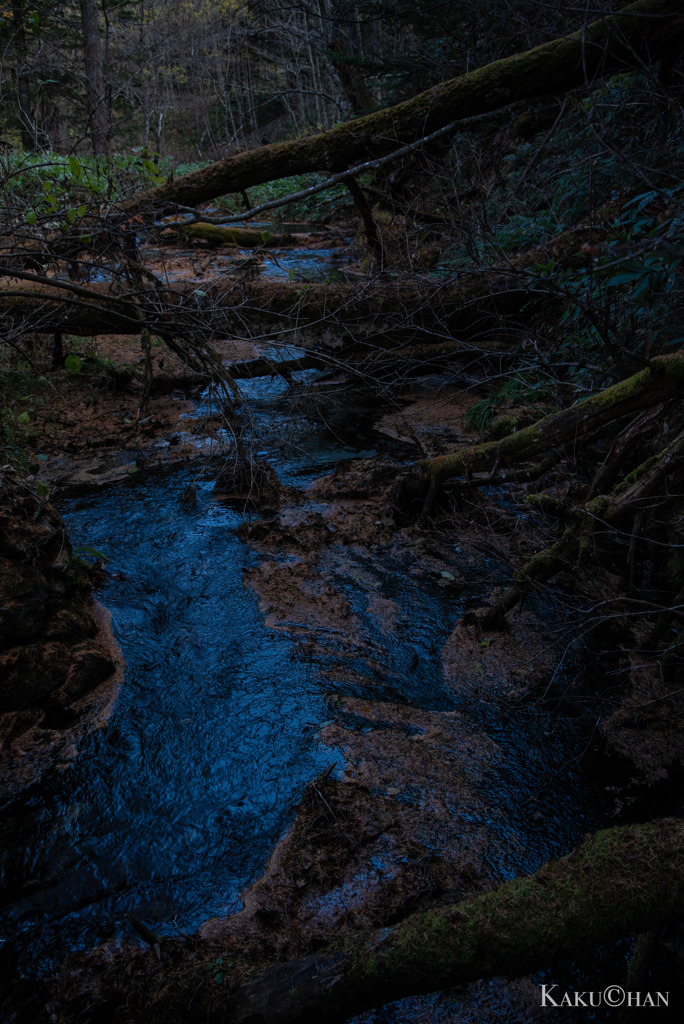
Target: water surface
(171,811)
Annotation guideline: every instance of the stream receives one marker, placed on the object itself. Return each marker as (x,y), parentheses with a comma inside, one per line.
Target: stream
(174,809)
(211,740)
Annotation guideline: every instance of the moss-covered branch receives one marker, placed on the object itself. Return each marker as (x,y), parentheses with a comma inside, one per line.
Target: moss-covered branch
(577,539)
(662,378)
(218,234)
(642,32)
(622,881)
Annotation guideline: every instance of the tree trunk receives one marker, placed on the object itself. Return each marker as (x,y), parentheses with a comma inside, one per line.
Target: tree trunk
(27,127)
(400,312)
(352,80)
(642,32)
(621,881)
(97,118)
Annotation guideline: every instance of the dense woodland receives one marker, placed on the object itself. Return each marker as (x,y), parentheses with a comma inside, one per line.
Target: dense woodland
(201,80)
(509,179)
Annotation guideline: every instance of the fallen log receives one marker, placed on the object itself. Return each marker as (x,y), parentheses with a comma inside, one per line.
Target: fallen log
(622,881)
(640,33)
(217,234)
(233,305)
(663,378)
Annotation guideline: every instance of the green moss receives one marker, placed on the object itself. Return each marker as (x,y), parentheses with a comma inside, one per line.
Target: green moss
(598,507)
(545,562)
(545,503)
(217,234)
(670,366)
(502,426)
(636,474)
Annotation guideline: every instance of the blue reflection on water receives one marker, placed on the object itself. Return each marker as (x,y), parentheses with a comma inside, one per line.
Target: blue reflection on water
(174,809)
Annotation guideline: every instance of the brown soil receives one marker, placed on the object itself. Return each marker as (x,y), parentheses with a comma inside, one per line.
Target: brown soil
(60,667)
(435,422)
(85,428)
(31,746)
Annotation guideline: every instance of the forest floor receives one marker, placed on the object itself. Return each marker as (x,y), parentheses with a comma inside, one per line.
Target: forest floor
(87,430)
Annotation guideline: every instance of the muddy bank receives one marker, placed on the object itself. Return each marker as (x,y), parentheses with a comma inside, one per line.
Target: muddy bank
(59,663)
(96,427)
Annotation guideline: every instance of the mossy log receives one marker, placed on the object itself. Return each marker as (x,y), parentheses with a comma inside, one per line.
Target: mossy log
(663,378)
(217,234)
(641,33)
(622,881)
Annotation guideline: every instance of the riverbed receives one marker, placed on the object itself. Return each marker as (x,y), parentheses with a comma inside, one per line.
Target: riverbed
(227,713)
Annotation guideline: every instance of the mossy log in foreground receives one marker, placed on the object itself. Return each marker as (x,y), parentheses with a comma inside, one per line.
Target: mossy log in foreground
(641,33)
(622,881)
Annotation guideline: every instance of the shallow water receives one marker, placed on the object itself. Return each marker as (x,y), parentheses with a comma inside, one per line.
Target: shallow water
(304,428)
(173,810)
(533,800)
(304,265)
(294,264)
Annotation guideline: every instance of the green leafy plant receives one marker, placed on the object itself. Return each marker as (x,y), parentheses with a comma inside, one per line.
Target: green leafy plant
(526,388)
(617,303)
(73,364)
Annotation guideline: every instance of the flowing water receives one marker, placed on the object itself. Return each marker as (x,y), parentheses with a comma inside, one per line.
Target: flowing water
(172,809)
(175,808)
